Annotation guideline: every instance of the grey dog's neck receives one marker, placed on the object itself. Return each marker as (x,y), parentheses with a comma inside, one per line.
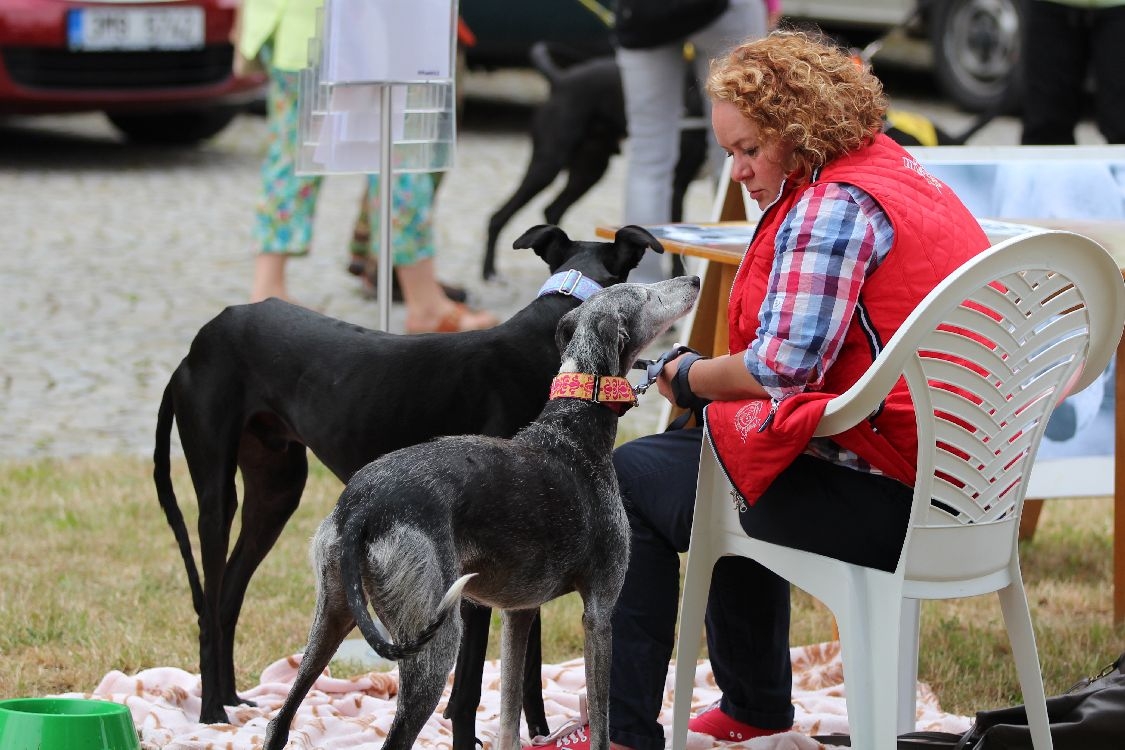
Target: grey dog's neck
(575,426)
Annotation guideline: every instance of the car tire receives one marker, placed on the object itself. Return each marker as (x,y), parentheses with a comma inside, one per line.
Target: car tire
(185,128)
(976,46)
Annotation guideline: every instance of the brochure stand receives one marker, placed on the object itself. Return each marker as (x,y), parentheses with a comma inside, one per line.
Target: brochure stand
(377,98)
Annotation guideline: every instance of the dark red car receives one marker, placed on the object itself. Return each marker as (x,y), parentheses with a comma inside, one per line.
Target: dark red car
(161,71)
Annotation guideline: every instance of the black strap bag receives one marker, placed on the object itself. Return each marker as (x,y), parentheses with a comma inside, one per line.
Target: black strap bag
(1089,716)
(640,24)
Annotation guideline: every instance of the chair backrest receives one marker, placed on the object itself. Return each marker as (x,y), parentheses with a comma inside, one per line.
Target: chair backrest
(987,356)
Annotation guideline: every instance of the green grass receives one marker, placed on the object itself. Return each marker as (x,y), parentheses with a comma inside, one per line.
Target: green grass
(92,582)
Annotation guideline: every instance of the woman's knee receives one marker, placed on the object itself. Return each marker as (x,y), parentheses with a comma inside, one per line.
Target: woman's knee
(657,476)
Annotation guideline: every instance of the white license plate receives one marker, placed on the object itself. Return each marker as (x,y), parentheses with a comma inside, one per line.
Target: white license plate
(105,29)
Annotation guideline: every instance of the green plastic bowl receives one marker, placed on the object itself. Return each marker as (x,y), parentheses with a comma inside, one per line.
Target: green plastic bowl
(66,724)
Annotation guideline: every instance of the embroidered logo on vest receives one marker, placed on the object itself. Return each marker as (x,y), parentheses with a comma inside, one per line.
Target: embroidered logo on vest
(749,418)
(914,166)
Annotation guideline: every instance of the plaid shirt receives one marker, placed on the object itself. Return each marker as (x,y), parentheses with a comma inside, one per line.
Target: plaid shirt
(833,238)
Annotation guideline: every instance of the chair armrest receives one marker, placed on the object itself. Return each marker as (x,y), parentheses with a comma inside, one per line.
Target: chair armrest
(1102,278)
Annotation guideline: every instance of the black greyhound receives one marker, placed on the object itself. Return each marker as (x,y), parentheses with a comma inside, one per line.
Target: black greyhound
(577,130)
(263,383)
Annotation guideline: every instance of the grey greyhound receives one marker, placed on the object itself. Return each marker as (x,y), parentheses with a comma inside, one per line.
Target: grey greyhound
(508,523)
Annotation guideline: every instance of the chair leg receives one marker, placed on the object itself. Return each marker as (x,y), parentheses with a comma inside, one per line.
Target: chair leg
(693,606)
(869,642)
(908,666)
(1021,634)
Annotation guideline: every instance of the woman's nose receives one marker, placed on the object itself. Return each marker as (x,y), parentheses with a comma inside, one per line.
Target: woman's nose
(740,170)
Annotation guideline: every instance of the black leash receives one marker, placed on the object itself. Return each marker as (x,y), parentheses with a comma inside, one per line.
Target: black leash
(652,367)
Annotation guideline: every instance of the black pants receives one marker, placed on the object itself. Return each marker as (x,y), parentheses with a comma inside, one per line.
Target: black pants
(813,504)
(1062,44)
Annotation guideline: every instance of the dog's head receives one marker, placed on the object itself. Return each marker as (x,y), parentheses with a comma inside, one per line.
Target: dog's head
(607,263)
(607,332)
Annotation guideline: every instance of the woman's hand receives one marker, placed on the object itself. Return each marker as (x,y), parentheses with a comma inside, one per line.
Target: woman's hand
(664,382)
(723,378)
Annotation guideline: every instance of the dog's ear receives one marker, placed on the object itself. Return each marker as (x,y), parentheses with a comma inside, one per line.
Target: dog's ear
(631,242)
(549,242)
(608,328)
(565,329)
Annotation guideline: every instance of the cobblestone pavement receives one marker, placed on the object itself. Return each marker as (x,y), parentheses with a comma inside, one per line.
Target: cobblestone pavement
(114,256)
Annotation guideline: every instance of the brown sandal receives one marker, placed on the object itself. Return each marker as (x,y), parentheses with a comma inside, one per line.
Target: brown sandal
(458,319)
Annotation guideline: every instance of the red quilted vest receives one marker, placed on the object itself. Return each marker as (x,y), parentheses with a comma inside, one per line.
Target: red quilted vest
(933,234)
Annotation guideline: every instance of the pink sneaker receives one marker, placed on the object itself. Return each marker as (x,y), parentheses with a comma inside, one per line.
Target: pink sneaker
(722,727)
(574,735)
(577,738)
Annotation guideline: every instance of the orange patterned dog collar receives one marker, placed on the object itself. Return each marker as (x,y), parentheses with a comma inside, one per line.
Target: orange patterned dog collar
(609,390)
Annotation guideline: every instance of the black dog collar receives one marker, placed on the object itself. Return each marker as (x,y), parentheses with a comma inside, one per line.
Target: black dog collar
(571,283)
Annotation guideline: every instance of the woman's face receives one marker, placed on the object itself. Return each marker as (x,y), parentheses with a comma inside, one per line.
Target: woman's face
(761,168)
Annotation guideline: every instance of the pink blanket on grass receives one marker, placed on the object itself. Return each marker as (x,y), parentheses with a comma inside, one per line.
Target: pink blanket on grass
(357,712)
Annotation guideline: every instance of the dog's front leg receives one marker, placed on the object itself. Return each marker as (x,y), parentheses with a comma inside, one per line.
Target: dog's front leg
(597,627)
(513,652)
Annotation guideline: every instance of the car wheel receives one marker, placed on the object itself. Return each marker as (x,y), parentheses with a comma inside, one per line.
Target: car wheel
(183,128)
(977,52)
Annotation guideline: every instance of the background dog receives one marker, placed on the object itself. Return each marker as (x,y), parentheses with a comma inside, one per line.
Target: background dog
(264,383)
(514,523)
(578,129)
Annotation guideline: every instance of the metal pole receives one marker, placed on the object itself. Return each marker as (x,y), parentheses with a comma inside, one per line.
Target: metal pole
(386,193)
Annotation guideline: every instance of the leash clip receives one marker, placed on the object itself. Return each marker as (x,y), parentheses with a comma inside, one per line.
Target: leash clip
(653,367)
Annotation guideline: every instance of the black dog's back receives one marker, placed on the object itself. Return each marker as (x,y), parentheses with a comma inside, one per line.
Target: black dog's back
(326,358)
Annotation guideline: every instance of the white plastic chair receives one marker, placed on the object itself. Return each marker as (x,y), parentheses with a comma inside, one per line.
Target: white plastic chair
(1050,306)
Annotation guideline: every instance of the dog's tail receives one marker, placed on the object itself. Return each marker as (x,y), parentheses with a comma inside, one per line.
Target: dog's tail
(543,61)
(162,477)
(351,573)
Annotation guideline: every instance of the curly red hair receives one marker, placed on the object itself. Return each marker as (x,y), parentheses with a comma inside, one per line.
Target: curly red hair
(800,90)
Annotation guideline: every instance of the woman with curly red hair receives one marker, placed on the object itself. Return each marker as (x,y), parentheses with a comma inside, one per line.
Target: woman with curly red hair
(854,233)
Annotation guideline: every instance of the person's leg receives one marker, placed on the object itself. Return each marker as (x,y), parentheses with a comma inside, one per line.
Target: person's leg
(269,277)
(428,308)
(858,517)
(1108,51)
(657,475)
(362,264)
(360,244)
(748,605)
(652,81)
(742,21)
(1055,59)
(284,217)
(747,627)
